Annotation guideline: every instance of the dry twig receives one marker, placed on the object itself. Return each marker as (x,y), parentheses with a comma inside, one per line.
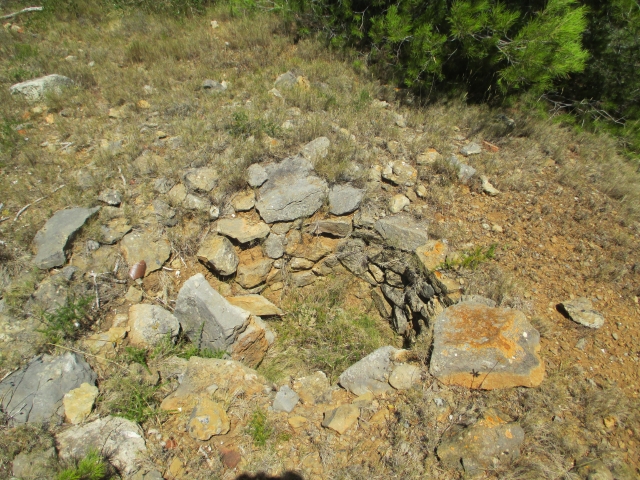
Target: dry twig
(21,211)
(24,10)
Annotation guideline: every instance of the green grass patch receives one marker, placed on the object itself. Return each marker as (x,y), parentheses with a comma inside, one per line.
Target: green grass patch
(67,322)
(91,467)
(470,259)
(131,399)
(259,428)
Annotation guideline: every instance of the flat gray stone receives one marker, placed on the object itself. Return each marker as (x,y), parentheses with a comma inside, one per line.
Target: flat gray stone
(491,441)
(242,230)
(274,246)
(316,149)
(214,86)
(201,179)
(110,197)
(404,376)
(286,400)
(119,439)
(195,202)
(114,230)
(218,252)
(38,87)
(335,228)
(465,172)
(291,191)
(344,199)
(402,232)
(256,175)
(163,185)
(150,325)
(471,149)
(371,374)
(206,316)
(34,393)
(581,311)
(286,80)
(478,346)
(52,239)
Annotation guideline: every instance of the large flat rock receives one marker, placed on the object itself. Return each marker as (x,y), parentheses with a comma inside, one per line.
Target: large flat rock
(478,346)
(38,87)
(291,191)
(401,231)
(371,374)
(206,316)
(150,324)
(52,239)
(118,439)
(34,393)
(242,230)
(144,245)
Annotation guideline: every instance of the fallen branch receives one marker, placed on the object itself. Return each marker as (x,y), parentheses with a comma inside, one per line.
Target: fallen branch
(76,350)
(24,10)
(21,211)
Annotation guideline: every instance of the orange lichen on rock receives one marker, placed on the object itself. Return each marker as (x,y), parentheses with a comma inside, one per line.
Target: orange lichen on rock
(478,346)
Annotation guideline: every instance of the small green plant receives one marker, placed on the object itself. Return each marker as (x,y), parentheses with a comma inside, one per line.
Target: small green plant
(91,467)
(243,126)
(259,428)
(67,322)
(183,348)
(136,355)
(132,400)
(470,259)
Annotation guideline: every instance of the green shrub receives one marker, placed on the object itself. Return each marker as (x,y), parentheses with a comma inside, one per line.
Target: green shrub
(130,399)
(67,322)
(259,428)
(91,467)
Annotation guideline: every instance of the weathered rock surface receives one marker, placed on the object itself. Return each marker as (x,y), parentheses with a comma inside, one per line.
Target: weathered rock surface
(150,324)
(274,246)
(471,149)
(465,172)
(34,465)
(34,393)
(52,239)
(252,344)
(204,376)
(38,87)
(79,402)
(312,388)
(208,419)
(291,191)
(335,228)
(114,230)
(119,439)
(404,376)
(196,202)
(256,175)
(344,199)
(342,418)
(242,230)
(432,254)
(110,197)
(581,311)
(400,173)
(206,317)
(477,346)
(218,253)
(256,305)
(371,374)
(402,232)
(144,245)
(316,149)
(244,201)
(491,441)
(201,179)
(286,400)
(253,268)
(398,202)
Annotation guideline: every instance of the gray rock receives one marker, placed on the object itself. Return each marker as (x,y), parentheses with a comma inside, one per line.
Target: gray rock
(213,86)
(353,257)
(291,191)
(286,80)
(163,185)
(114,230)
(302,279)
(402,232)
(335,228)
(145,245)
(119,439)
(394,295)
(256,175)
(471,149)
(316,149)
(35,465)
(110,197)
(163,210)
(150,325)
(404,376)
(286,400)
(465,172)
(206,317)
(477,346)
(400,322)
(398,202)
(491,441)
(274,246)
(371,374)
(52,239)
(218,253)
(194,202)
(201,179)
(488,188)
(400,173)
(242,230)
(38,87)
(344,199)
(92,245)
(581,311)
(34,393)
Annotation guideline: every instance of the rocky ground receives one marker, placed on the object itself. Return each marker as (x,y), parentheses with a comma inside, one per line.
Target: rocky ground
(255,258)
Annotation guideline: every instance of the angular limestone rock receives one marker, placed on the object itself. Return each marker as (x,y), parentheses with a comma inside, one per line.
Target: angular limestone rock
(145,245)
(218,252)
(242,230)
(341,418)
(52,239)
(256,305)
(35,89)
(371,374)
(208,419)
(150,324)
(344,199)
(581,311)
(79,402)
(402,232)
(477,346)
